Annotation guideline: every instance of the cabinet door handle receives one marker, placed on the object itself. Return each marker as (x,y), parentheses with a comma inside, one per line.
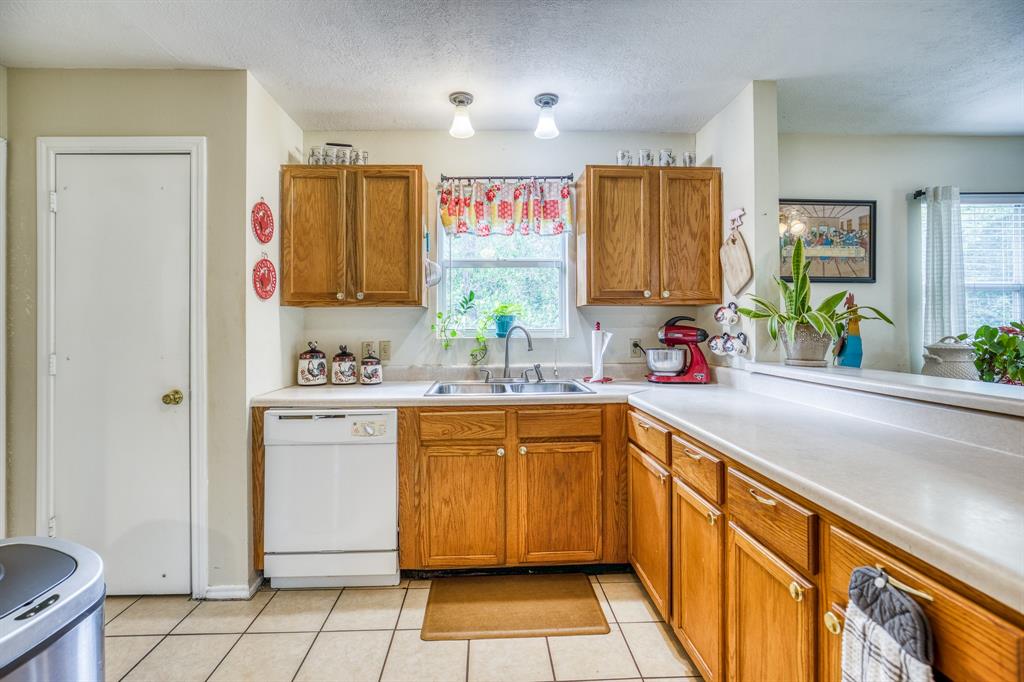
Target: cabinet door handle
(340,295)
(522,449)
(647,293)
(711,518)
(833,624)
(796,592)
(501,452)
(665,293)
(767,501)
(359,295)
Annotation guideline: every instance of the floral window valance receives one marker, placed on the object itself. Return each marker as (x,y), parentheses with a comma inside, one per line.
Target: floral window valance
(506,207)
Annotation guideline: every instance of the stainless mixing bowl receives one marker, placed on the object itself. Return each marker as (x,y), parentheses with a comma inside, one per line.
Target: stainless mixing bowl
(665,360)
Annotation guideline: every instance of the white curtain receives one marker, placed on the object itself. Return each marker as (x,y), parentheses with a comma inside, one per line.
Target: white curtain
(945,298)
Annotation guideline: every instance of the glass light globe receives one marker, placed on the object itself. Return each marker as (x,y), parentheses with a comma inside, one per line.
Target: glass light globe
(546,128)
(461,125)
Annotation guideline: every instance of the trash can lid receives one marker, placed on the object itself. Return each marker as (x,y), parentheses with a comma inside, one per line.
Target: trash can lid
(28,571)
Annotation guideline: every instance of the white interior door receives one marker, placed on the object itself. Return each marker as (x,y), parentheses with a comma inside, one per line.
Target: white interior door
(121,323)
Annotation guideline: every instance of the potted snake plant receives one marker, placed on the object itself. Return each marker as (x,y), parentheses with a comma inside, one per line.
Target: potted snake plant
(806,332)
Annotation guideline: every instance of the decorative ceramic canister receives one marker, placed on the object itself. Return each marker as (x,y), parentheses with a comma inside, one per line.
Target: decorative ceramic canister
(371,371)
(312,366)
(666,158)
(623,157)
(343,367)
(950,358)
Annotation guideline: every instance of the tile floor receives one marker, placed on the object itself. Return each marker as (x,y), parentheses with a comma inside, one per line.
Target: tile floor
(372,635)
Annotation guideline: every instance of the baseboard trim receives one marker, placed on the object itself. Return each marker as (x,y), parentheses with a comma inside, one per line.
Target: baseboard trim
(226,592)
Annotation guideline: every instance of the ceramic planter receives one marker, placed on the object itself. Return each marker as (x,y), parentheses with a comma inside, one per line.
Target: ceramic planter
(502,323)
(950,358)
(808,347)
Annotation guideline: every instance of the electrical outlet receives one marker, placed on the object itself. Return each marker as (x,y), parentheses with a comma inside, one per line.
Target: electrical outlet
(634,352)
(385,349)
(368,348)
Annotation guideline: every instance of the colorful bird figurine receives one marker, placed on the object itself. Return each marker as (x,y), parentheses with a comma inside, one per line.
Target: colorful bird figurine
(848,351)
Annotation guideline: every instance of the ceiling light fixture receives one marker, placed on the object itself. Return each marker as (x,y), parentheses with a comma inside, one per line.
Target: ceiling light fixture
(546,128)
(461,125)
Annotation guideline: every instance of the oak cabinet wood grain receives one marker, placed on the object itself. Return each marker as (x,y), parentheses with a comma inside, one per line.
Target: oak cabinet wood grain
(462,521)
(314,242)
(698,579)
(650,436)
(649,511)
(559,505)
(699,469)
(771,609)
(352,236)
(649,236)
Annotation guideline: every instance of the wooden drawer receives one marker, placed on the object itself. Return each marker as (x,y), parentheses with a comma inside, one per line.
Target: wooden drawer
(971,643)
(564,423)
(783,525)
(462,425)
(698,468)
(651,437)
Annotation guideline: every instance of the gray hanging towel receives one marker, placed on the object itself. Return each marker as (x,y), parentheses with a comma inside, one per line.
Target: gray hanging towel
(886,637)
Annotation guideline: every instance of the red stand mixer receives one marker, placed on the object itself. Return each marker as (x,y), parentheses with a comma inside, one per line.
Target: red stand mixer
(679,370)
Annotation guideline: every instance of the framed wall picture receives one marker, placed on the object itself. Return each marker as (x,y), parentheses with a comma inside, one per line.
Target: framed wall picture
(838,236)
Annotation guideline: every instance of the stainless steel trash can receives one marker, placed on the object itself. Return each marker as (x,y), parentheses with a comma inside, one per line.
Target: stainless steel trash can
(51,611)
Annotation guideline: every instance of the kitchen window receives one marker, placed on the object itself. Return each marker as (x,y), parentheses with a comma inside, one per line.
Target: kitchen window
(526,269)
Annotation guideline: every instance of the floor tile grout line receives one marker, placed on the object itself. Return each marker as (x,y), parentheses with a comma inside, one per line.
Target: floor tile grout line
(241,635)
(391,642)
(466,678)
(119,613)
(317,635)
(623,634)
(162,638)
(551,658)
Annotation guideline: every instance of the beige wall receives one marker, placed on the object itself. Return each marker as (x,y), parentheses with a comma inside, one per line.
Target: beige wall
(138,102)
(496,152)
(742,139)
(3,101)
(887,169)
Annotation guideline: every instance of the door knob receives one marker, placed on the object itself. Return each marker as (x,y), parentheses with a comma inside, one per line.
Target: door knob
(173,397)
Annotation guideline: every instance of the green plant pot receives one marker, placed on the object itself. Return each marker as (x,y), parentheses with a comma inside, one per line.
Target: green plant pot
(808,348)
(502,323)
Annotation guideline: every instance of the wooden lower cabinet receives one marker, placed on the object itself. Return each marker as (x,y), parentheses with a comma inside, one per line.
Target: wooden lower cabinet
(462,519)
(771,613)
(698,579)
(649,502)
(559,508)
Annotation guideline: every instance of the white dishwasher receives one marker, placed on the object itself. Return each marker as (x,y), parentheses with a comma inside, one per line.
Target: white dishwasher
(331,498)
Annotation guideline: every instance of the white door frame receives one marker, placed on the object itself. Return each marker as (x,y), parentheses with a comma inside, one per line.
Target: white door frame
(47,149)
(3,338)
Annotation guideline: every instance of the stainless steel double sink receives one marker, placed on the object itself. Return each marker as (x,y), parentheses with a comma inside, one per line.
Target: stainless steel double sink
(506,388)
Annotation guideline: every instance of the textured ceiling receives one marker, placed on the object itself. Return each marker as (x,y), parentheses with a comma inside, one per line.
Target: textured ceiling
(931,66)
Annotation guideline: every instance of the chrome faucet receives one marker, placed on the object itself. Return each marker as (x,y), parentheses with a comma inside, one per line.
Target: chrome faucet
(508,337)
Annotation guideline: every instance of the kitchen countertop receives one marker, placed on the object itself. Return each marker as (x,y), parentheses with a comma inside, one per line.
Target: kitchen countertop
(955,506)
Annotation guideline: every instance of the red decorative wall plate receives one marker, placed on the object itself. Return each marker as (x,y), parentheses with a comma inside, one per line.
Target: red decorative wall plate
(262,221)
(264,278)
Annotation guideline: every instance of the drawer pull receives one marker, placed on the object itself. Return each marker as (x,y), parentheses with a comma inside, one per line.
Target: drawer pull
(643,426)
(796,592)
(903,587)
(711,519)
(695,456)
(767,501)
(832,623)
(501,452)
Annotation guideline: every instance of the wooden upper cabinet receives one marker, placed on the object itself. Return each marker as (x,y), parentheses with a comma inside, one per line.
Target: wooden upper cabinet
(388,227)
(352,236)
(649,509)
(621,240)
(313,243)
(649,236)
(559,509)
(690,234)
(771,612)
(462,520)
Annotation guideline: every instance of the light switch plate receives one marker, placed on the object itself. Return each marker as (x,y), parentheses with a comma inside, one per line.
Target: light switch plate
(368,348)
(385,349)
(634,352)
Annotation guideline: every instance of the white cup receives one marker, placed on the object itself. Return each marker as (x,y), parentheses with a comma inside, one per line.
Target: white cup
(666,158)
(644,157)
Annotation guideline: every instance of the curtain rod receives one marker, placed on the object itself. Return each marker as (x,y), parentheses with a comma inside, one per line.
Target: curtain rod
(568,177)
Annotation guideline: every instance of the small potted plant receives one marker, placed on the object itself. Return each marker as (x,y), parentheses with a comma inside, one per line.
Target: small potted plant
(806,332)
(999,353)
(447,325)
(504,316)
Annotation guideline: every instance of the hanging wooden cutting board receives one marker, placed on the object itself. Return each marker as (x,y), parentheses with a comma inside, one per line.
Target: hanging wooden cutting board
(736,267)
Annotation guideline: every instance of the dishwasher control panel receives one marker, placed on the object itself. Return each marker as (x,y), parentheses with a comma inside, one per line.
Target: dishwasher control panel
(369,428)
